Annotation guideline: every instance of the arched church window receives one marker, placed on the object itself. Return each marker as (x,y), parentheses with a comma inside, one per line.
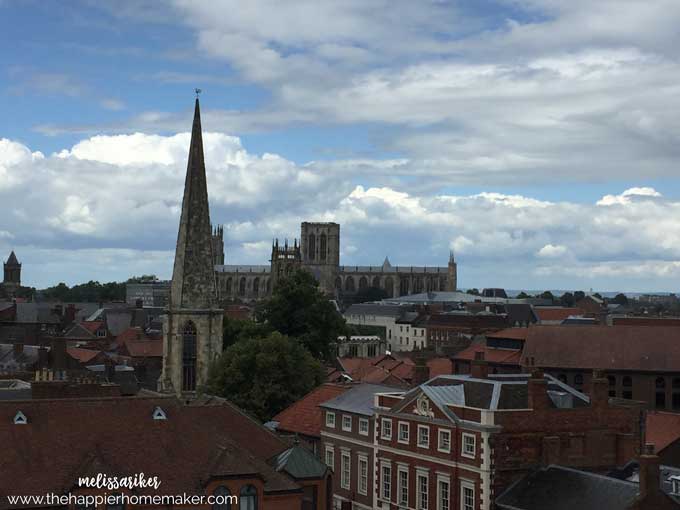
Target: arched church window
(389,286)
(189,357)
(349,284)
(338,283)
(363,282)
(404,287)
(322,247)
(228,285)
(311,246)
(376,282)
(256,286)
(242,286)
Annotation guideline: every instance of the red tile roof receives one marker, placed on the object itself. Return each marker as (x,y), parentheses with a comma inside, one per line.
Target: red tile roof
(67,438)
(662,429)
(139,345)
(304,416)
(512,333)
(92,326)
(492,355)
(82,355)
(555,313)
(645,321)
(638,348)
(390,369)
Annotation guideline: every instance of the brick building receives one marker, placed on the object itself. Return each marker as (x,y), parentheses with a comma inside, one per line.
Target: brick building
(200,448)
(347,437)
(457,442)
(640,362)
(452,332)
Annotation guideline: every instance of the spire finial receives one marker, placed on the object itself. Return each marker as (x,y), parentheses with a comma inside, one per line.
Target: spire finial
(197,91)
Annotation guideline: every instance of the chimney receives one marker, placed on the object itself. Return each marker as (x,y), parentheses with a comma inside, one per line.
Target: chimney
(18,348)
(537,389)
(421,372)
(479,368)
(649,472)
(42,357)
(599,390)
(110,370)
(70,314)
(58,354)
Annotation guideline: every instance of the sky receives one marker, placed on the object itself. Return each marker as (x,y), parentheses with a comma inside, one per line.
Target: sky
(537,139)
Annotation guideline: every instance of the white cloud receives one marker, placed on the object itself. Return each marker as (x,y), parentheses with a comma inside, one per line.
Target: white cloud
(551,251)
(629,195)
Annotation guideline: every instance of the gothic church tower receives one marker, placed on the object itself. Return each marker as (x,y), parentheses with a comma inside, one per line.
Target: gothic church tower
(192,331)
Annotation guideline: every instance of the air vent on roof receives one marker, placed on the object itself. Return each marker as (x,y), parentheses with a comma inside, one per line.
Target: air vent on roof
(20,418)
(159,414)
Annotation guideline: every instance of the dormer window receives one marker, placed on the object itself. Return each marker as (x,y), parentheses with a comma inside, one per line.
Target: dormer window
(675,483)
(20,418)
(159,414)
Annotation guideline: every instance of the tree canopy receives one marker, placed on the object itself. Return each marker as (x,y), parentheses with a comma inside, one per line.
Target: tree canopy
(297,308)
(85,292)
(265,375)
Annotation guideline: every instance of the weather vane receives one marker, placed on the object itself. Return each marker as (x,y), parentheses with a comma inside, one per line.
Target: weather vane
(198,91)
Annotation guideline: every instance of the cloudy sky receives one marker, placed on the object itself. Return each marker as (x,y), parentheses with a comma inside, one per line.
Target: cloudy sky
(538,139)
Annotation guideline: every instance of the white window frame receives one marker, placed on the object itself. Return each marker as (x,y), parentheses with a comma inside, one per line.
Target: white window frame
(363,421)
(408,432)
(465,484)
(345,469)
(440,501)
(419,493)
(385,495)
(330,419)
(440,448)
(330,450)
(464,446)
(423,445)
(402,489)
(383,435)
(362,478)
(345,418)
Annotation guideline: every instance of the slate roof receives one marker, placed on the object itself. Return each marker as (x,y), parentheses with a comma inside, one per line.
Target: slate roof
(377,309)
(498,391)
(636,348)
(305,416)
(358,400)
(561,488)
(300,463)
(37,313)
(198,440)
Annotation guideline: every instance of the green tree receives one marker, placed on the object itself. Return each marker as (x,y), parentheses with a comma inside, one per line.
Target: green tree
(237,330)
(264,375)
(145,278)
(474,292)
(547,295)
(523,295)
(620,299)
(297,308)
(567,299)
(579,295)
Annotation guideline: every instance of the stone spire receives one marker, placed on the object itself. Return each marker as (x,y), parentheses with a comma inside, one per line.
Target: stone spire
(12,259)
(193,277)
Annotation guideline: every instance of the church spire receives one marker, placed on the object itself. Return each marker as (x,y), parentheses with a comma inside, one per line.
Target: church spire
(193,277)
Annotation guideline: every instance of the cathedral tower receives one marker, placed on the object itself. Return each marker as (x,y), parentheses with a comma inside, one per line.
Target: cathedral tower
(192,331)
(320,246)
(12,275)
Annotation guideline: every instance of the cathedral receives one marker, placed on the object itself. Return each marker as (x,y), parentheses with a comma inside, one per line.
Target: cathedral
(192,329)
(319,252)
